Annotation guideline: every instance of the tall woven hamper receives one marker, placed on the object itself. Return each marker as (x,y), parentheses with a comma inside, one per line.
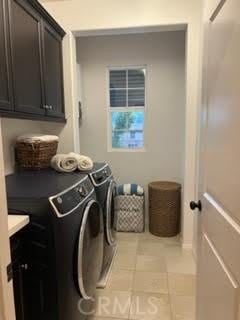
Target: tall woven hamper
(164,208)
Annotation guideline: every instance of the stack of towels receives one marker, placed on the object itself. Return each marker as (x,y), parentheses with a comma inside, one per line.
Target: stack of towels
(129,189)
(71,162)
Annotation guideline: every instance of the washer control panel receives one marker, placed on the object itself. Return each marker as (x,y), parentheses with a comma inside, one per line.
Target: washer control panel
(66,201)
(101,175)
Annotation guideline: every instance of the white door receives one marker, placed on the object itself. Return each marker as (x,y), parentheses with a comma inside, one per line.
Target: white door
(7,311)
(218,277)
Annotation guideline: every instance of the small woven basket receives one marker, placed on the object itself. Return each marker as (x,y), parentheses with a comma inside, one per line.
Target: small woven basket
(35,155)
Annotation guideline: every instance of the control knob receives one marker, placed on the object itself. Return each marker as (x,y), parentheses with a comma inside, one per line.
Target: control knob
(82,191)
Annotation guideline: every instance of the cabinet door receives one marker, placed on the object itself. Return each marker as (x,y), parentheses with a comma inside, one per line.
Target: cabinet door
(53,72)
(25,32)
(19,294)
(6,102)
(16,242)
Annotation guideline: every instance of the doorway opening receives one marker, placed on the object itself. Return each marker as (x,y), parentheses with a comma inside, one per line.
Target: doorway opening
(159,117)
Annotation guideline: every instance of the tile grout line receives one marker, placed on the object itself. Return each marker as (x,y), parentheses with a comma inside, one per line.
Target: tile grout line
(169,294)
(170,299)
(129,312)
(133,279)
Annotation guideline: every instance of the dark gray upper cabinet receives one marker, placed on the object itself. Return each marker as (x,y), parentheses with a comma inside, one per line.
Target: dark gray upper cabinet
(35,62)
(26,57)
(53,73)
(6,102)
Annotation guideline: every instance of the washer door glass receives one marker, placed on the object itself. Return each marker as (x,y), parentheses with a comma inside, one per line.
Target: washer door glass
(90,249)
(110,214)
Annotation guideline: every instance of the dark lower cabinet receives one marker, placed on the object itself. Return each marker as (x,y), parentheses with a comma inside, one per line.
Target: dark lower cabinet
(31,76)
(32,294)
(6,98)
(19,267)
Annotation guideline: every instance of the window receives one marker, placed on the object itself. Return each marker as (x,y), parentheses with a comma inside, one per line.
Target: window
(127,107)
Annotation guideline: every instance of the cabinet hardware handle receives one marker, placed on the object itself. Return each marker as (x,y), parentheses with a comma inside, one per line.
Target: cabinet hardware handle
(24,266)
(47,107)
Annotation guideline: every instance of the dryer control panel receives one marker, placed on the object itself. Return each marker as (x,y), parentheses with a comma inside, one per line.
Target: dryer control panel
(101,175)
(70,199)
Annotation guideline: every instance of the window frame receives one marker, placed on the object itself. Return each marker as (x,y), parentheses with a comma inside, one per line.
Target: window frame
(125,109)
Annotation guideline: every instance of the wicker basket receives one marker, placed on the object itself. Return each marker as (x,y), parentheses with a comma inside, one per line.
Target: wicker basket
(35,155)
(164,208)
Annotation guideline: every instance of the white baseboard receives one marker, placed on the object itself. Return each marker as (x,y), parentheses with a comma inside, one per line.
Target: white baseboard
(187,246)
(194,253)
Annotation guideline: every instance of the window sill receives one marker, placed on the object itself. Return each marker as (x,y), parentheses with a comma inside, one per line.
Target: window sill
(126,150)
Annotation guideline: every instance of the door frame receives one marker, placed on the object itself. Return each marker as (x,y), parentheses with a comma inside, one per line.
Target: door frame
(201,116)
(7,308)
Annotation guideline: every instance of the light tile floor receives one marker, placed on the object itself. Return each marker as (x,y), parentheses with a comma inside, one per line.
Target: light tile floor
(152,279)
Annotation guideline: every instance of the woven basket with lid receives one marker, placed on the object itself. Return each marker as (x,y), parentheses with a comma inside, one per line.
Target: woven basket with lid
(164,208)
(35,153)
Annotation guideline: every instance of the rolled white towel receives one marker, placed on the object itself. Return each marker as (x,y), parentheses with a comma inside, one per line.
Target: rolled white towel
(64,163)
(84,163)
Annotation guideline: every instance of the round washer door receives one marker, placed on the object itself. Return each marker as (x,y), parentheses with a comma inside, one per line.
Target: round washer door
(110,214)
(90,249)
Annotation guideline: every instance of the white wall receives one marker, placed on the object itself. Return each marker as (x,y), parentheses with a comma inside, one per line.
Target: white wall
(12,128)
(92,15)
(163,54)
(76,15)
